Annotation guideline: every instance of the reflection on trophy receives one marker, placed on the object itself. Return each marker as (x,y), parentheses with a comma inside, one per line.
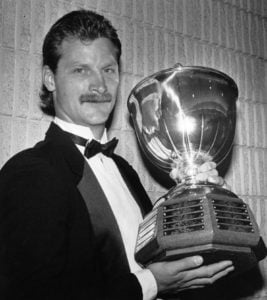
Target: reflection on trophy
(186,116)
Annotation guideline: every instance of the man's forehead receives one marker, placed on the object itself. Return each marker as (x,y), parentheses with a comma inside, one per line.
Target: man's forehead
(100,46)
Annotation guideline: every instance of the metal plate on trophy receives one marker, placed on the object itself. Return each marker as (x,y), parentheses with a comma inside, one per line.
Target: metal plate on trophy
(186,116)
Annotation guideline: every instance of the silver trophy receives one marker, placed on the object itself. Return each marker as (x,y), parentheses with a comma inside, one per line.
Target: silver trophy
(186,116)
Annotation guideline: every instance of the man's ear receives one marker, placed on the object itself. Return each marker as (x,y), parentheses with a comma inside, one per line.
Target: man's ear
(48,78)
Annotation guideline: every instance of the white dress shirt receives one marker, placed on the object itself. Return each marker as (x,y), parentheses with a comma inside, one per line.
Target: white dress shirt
(124,207)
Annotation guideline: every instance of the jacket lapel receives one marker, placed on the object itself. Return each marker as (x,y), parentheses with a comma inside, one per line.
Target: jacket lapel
(105,227)
(66,149)
(133,183)
(109,240)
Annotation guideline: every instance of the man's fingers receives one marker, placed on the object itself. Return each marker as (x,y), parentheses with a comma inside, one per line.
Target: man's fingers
(207,166)
(206,172)
(202,171)
(187,273)
(208,271)
(205,176)
(216,180)
(185,264)
(175,174)
(169,274)
(206,275)
(208,280)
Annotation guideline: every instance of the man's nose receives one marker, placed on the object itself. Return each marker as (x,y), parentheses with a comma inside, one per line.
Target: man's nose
(97,83)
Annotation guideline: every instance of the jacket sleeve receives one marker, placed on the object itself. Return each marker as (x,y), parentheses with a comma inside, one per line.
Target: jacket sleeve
(32,206)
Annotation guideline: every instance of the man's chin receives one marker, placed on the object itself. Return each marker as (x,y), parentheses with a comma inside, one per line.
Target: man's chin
(97,118)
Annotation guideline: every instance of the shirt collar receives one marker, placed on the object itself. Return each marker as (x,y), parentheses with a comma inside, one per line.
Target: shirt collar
(79,130)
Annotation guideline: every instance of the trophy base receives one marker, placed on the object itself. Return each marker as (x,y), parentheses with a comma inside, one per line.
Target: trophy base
(243,257)
(204,220)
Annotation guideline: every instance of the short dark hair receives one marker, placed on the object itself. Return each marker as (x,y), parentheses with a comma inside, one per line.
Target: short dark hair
(80,24)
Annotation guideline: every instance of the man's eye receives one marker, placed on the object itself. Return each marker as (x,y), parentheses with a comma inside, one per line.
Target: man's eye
(79,70)
(110,70)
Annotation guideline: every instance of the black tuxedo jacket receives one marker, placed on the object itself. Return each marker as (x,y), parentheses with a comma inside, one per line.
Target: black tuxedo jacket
(58,236)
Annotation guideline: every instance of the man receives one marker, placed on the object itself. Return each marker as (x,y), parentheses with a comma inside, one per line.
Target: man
(69,221)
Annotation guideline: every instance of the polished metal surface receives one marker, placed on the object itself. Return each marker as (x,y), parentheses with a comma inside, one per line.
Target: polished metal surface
(184,115)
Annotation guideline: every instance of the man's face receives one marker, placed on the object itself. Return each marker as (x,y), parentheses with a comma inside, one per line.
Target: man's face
(86,82)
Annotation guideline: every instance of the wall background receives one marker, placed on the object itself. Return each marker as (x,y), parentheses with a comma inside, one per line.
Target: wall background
(229,35)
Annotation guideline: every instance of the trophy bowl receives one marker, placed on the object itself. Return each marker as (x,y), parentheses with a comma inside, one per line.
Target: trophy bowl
(185,116)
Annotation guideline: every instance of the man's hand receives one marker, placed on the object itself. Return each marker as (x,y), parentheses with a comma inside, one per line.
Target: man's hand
(204,173)
(187,273)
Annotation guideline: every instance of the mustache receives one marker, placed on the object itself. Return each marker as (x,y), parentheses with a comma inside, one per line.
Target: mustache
(95,98)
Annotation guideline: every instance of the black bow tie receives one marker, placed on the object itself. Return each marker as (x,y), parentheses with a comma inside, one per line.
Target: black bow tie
(94,147)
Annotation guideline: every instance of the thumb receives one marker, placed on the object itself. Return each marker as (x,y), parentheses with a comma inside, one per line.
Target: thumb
(187,263)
